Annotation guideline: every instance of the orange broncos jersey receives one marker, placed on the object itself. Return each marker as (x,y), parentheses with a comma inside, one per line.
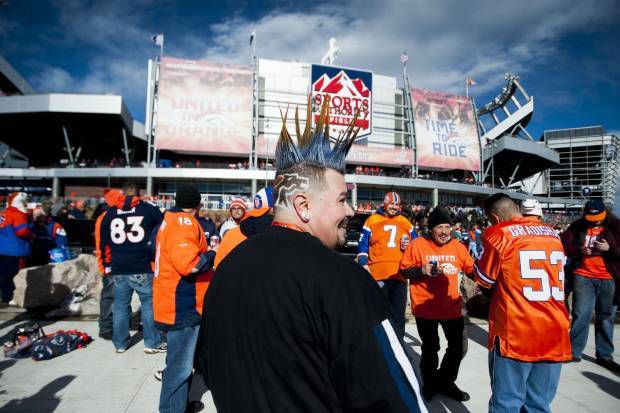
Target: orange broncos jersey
(593,266)
(177,293)
(381,237)
(103,259)
(523,260)
(437,297)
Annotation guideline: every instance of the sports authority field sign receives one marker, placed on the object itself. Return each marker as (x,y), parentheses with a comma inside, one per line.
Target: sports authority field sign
(349,91)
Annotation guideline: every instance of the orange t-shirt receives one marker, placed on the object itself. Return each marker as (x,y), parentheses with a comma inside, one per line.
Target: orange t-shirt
(384,253)
(593,266)
(437,297)
(523,260)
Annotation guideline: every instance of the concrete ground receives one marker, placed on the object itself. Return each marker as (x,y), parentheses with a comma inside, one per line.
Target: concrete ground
(96,379)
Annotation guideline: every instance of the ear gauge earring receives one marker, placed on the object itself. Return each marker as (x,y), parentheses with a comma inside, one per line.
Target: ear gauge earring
(305,216)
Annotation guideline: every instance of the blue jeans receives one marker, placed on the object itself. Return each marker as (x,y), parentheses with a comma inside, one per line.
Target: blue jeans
(593,295)
(176,379)
(396,293)
(518,386)
(124,286)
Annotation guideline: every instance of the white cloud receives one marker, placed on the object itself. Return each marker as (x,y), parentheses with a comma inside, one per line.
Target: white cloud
(446,41)
(54,79)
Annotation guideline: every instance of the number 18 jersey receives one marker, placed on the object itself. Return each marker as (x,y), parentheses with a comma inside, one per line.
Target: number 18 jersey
(523,261)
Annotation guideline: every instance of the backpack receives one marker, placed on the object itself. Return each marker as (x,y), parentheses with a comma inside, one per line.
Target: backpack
(59,343)
(24,336)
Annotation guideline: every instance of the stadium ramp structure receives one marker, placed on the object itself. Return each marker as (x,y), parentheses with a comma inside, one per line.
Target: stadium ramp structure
(510,155)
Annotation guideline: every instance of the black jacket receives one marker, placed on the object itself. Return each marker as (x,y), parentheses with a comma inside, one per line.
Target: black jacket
(291,326)
(574,237)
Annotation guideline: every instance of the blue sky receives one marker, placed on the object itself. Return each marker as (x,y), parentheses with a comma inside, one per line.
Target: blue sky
(564,51)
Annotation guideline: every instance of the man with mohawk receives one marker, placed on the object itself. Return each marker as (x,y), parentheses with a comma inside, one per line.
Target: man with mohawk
(308,331)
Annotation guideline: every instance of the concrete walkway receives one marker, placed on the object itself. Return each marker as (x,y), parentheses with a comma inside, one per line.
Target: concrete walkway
(96,379)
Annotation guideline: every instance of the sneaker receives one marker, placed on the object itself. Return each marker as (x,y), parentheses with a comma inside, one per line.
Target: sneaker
(454,393)
(121,350)
(158,375)
(609,364)
(576,359)
(162,348)
(195,406)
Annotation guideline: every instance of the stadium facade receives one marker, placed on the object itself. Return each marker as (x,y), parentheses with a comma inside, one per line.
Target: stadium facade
(588,163)
(216,126)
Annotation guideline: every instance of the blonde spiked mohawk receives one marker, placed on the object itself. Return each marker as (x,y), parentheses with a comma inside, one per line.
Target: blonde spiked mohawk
(313,147)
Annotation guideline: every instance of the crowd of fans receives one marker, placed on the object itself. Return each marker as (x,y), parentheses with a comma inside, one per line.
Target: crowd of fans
(37,235)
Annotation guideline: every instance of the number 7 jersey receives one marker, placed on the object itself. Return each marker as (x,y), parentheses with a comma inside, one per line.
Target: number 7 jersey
(523,261)
(380,242)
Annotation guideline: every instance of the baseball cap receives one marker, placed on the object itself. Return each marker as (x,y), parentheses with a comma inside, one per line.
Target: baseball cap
(531,207)
(594,211)
(263,202)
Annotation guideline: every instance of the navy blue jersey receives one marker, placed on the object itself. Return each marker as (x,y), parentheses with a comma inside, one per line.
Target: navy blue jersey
(126,232)
(208,227)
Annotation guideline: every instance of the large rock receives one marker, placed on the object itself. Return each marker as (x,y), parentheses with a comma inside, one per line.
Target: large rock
(476,304)
(48,286)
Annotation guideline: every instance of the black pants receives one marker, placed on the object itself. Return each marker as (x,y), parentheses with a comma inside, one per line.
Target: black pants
(9,267)
(105,305)
(429,334)
(396,293)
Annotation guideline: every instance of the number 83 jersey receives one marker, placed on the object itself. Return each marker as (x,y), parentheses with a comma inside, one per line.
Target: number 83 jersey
(126,232)
(523,261)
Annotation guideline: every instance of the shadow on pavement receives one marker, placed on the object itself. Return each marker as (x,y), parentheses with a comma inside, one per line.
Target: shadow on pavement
(45,400)
(477,334)
(5,364)
(609,386)
(444,404)
(135,339)
(414,341)
(593,360)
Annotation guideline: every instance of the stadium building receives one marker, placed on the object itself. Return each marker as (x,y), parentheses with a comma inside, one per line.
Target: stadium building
(588,163)
(217,126)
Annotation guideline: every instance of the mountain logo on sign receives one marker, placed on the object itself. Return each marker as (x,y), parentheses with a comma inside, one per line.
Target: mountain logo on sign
(348,96)
(355,87)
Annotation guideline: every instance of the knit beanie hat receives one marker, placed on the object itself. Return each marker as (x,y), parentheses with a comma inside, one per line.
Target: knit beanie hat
(187,197)
(437,217)
(238,203)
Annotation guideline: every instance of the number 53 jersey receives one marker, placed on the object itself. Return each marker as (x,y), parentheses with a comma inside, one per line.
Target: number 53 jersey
(523,261)
(126,232)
